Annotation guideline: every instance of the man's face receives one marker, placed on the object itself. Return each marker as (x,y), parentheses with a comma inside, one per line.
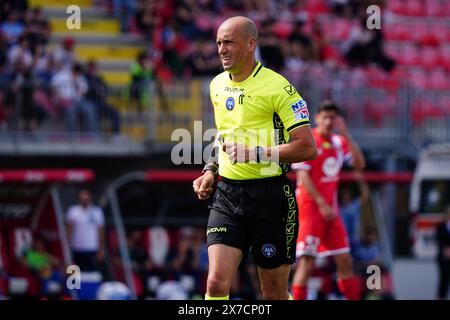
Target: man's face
(85,197)
(233,48)
(325,121)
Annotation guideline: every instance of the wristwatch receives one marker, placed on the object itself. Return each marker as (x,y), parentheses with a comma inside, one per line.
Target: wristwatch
(259,154)
(212,167)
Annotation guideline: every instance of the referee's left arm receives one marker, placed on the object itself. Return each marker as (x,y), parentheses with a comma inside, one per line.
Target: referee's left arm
(301,146)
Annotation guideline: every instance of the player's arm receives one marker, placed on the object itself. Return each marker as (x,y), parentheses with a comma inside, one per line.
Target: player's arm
(358,160)
(325,209)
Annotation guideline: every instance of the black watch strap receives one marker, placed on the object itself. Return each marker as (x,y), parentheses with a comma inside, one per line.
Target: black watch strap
(212,167)
(259,153)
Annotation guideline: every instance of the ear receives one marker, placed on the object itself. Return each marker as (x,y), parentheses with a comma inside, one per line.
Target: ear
(252,44)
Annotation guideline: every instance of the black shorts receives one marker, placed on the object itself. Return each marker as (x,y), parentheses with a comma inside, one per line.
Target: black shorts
(257,215)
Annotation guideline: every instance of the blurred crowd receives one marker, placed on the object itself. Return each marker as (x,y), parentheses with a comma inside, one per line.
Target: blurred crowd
(181,33)
(38,84)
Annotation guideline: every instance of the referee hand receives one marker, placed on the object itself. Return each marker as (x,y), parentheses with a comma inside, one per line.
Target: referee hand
(203,185)
(237,153)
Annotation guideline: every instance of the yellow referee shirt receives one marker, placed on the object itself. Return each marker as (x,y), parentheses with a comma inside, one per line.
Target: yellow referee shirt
(259,111)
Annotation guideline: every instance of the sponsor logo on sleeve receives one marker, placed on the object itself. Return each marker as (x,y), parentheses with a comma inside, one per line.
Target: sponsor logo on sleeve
(300,110)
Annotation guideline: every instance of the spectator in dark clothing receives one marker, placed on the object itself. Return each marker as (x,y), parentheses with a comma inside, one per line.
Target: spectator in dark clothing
(97,92)
(299,36)
(269,46)
(443,258)
(185,16)
(143,267)
(30,113)
(204,60)
(38,28)
(365,46)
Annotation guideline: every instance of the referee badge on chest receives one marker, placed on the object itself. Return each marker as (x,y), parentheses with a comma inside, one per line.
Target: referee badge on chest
(229,104)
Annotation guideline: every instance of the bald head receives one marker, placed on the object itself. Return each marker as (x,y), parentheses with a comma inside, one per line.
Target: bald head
(236,45)
(243,25)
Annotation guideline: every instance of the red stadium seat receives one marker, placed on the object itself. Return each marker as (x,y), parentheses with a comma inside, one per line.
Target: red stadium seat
(429,57)
(418,31)
(316,6)
(397,31)
(393,50)
(446,8)
(337,29)
(438,79)
(433,8)
(415,8)
(410,55)
(439,31)
(283,29)
(379,106)
(445,55)
(418,78)
(397,6)
(424,108)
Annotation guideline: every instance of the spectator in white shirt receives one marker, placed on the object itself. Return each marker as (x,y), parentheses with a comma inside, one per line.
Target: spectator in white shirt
(69,90)
(20,53)
(85,230)
(63,56)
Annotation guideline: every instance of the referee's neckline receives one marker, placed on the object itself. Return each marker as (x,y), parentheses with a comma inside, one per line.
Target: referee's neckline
(255,71)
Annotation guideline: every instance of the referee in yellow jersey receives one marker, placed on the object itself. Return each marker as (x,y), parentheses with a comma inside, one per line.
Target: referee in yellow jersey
(263,125)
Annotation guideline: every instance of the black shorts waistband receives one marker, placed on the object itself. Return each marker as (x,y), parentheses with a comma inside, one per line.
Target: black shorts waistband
(253,181)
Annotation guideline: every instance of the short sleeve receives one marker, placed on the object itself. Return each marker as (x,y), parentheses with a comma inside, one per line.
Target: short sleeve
(290,106)
(100,217)
(70,217)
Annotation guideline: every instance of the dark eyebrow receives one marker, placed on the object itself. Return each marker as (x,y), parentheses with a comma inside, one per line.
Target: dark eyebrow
(224,41)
